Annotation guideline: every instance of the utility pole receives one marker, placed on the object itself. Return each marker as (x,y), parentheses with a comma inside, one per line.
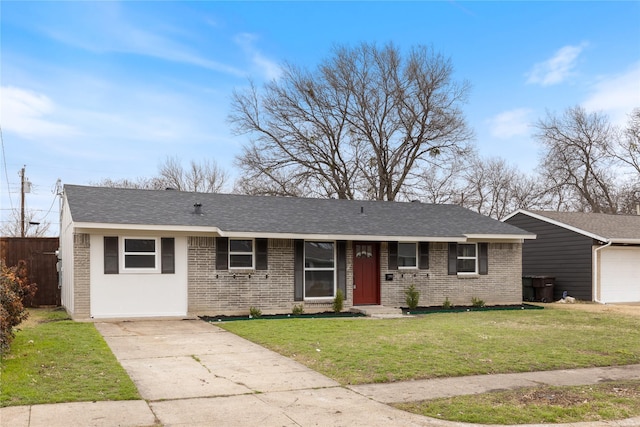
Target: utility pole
(22,201)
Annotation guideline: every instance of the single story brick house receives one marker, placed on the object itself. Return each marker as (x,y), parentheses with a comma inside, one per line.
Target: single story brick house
(593,257)
(129,253)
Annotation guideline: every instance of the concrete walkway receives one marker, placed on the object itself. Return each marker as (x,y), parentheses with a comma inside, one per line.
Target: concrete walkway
(191,373)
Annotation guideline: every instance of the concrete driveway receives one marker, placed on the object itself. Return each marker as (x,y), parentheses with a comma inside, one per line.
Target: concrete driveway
(193,373)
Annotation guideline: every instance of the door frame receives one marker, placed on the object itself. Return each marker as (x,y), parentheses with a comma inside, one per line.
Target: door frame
(376,267)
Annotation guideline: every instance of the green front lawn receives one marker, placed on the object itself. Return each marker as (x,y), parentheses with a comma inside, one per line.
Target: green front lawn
(54,359)
(359,351)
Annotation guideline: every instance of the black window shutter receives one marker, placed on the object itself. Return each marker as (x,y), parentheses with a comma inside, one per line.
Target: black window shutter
(167,245)
(111,255)
(262,256)
(341,252)
(222,253)
(483,258)
(423,255)
(298,270)
(393,255)
(453,258)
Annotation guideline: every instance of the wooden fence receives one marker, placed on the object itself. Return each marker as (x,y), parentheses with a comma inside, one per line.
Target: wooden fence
(40,255)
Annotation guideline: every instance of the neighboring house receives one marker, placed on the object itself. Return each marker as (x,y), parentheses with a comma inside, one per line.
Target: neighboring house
(141,253)
(593,257)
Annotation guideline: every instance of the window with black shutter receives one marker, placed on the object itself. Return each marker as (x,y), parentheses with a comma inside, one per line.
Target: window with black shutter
(168,255)
(111,255)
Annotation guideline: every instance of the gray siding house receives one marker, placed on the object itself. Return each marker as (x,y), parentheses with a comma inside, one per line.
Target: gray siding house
(593,257)
(141,253)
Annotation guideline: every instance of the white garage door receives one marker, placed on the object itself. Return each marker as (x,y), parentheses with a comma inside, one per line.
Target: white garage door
(620,274)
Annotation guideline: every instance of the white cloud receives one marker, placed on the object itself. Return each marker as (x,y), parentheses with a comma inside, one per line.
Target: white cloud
(510,123)
(110,31)
(616,95)
(268,68)
(31,114)
(557,68)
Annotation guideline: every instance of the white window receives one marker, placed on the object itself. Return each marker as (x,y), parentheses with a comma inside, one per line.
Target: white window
(467,258)
(319,270)
(140,254)
(241,253)
(407,255)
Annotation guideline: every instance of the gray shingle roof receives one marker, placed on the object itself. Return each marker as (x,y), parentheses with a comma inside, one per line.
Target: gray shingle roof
(279,215)
(607,226)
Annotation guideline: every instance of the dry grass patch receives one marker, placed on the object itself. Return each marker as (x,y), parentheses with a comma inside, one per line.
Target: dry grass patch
(601,402)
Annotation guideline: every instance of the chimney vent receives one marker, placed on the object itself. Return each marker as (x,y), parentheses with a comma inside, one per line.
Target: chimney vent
(197,209)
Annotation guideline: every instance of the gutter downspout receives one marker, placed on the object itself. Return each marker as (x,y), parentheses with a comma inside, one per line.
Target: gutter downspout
(596,277)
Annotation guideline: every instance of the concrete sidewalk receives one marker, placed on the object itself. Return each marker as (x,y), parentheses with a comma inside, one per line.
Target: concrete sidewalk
(413,391)
(191,373)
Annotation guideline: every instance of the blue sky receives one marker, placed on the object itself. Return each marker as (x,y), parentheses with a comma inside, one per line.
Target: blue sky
(91,90)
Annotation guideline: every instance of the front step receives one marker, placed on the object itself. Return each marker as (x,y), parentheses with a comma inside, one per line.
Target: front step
(378,311)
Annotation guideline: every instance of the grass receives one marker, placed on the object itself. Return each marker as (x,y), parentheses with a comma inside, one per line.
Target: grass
(54,359)
(600,402)
(359,351)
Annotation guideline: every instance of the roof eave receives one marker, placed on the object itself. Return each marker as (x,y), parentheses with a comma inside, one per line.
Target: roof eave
(89,226)
(558,224)
(500,237)
(144,227)
(624,241)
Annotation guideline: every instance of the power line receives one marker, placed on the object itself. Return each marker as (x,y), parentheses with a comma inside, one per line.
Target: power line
(55,196)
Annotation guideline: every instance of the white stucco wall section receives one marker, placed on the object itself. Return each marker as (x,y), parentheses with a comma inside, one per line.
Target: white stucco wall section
(66,255)
(138,294)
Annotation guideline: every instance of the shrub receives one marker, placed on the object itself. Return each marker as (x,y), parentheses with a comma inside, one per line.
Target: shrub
(14,287)
(298,309)
(338,301)
(447,304)
(412,297)
(477,302)
(255,312)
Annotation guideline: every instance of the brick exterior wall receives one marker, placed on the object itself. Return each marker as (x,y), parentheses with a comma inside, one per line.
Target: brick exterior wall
(272,290)
(235,291)
(81,276)
(502,286)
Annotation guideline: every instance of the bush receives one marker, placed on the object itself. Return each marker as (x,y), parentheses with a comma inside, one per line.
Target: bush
(412,297)
(14,287)
(447,304)
(338,301)
(297,309)
(477,302)
(255,312)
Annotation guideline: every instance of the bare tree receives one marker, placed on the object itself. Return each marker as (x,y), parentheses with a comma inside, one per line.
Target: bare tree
(577,158)
(203,177)
(627,147)
(139,183)
(489,187)
(32,228)
(359,126)
(439,183)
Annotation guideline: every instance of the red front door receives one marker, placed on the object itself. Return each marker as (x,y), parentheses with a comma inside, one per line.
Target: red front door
(366,273)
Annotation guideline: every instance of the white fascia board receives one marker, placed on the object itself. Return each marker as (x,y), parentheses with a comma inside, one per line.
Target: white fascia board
(500,237)
(559,224)
(88,226)
(624,241)
(351,237)
(512,214)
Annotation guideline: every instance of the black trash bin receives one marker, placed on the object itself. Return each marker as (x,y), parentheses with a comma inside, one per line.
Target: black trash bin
(528,293)
(543,287)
